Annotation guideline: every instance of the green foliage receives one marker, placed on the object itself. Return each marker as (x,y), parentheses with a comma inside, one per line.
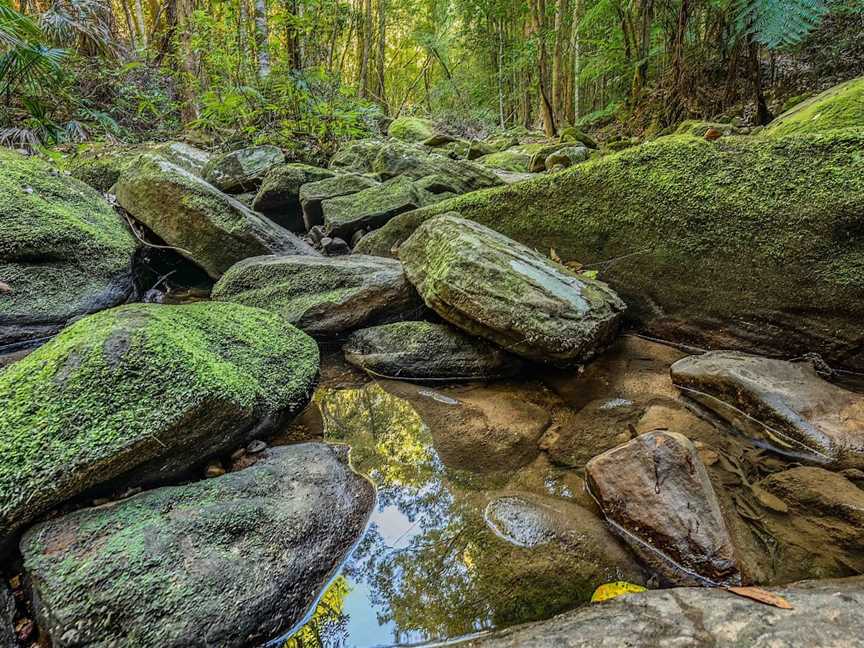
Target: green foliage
(778,23)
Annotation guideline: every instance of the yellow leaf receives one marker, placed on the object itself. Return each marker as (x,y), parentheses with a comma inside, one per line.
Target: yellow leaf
(612,590)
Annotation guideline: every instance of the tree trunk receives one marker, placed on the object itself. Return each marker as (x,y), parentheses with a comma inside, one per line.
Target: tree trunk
(133,40)
(538,13)
(558,59)
(139,22)
(366,47)
(380,63)
(261,39)
(640,77)
(763,115)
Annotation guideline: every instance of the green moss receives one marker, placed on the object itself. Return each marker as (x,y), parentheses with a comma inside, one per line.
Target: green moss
(137,383)
(838,107)
(62,246)
(746,241)
(571,134)
(698,128)
(411,129)
(100,165)
(509,160)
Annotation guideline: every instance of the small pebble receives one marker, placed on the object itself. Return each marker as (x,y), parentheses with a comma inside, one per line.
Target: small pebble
(237,454)
(256,446)
(214,469)
(316,234)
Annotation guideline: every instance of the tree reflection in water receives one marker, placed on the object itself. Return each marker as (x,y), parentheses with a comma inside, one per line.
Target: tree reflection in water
(428,566)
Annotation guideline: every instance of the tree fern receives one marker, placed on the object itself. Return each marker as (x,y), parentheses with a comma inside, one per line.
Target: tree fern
(780,23)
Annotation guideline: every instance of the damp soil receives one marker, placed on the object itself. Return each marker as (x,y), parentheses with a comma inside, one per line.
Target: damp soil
(483,520)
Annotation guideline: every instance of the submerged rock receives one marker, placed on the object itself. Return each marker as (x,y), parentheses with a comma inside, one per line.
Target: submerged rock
(279,195)
(370,208)
(785,404)
(64,251)
(411,129)
(323,296)
(244,169)
(424,351)
(313,194)
(143,392)
(666,210)
(493,287)
(230,561)
(656,494)
(824,613)
(210,228)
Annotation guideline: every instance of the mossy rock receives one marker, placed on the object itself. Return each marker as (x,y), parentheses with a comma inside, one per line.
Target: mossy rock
(143,392)
(279,195)
(401,159)
(426,351)
(509,160)
(184,155)
(478,149)
(64,251)
(209,227)
(100,165)
(370,208)
(242,170)
(791,102)
(697,128)
(493,287)
(411,129)
(620,145)
(323,296)
(838,107)
(233,561)
(538,158)
(572,135)
(314,193)
(566,157)
(751,243)
(356,156)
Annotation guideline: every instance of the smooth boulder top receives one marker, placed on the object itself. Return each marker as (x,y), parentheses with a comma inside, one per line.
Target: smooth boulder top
(64,251)
(493,287)
(209,227)
(323,296)
(825,613)
(143,392)
(242,170)
(784,404)
(230,561)
(427,351)
(656,494)
(411,129)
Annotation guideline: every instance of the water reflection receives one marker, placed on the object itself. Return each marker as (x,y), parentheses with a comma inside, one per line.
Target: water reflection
(428,566)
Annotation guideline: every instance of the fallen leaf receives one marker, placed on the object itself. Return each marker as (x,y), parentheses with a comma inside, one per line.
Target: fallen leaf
(615,589)
(5,288)
(761,596)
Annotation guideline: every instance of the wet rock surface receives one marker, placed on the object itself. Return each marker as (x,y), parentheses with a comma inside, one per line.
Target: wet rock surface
(427,351)
(657,495)
(209,227)
(785,404)
(63,251)
(491,286)
(139,394)
(825,613)
(230,561)
(242,170)
(323,296)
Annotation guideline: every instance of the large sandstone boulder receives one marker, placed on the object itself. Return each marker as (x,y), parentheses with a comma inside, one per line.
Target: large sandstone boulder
(784,404)
(313,194)
(747,243)
(184,155)
(323,296)
(279,195)
(244,169)
(655,492)
(356,156)
(824,613)
(207,226)
(426,351)
(838,107)
(64,251)
(143,392)
(230,561)
(370,208)
(493,287)
(411,129)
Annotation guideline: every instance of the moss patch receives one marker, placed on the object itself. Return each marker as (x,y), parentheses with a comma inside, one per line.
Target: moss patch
(747,242)
(838,107)
(411,129)
(140,383)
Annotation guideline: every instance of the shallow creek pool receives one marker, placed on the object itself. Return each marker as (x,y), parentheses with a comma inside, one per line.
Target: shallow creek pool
(482,518)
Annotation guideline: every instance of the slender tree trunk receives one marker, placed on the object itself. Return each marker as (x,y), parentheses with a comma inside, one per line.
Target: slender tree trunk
(366,47)
(501,118)
(576,47)
(380,63)
(546,110)
(133,40)
(640,77)
(763,115)
(558,59)
(261,39)
(139,22)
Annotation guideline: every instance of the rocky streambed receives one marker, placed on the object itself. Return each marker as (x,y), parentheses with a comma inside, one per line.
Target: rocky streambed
(222,424)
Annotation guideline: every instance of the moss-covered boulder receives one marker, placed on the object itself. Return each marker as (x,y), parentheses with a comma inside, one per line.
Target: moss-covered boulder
(491,286)
(356,156)
(100,165)
(479,148)
(184,155)
(838,107)
(425,351)
(411,129)
(510,160)
(323,296)
(751,243)
(279,195)
(697,128)
(313,194)
(566,157)
(230,561)
(140,393)
(242,170)
(370,208)
(64,251)
(209,227)
(572,135)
